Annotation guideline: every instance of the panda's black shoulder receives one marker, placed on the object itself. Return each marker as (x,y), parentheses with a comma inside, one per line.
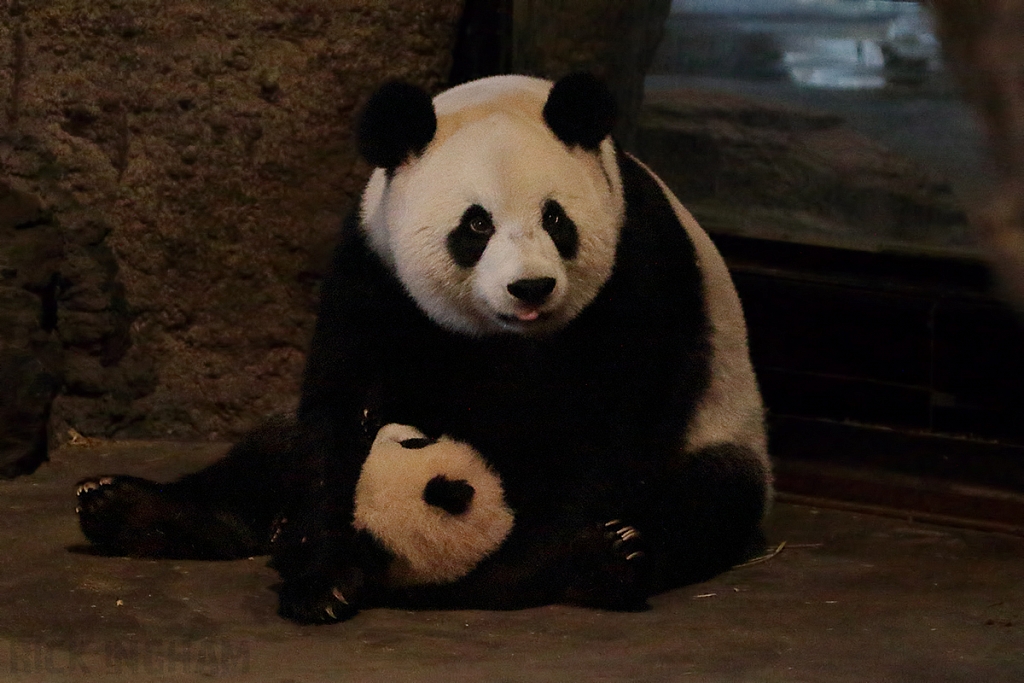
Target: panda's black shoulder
(356,275)
(652,232)
(656,275)
(648,329)
(361,303)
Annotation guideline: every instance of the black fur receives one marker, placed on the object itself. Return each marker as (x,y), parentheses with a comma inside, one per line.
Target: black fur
(398,121)
(416,443)
(561,229)
(581,110)
(452,496)
(607,400)
(466,243)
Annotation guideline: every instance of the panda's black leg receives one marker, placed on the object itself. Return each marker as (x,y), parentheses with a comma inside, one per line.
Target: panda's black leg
(125,515)
(224,511)
(712,502)
(697,517)
(564,560)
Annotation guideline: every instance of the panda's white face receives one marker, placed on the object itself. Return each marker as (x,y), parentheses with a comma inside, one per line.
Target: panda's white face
(498,226)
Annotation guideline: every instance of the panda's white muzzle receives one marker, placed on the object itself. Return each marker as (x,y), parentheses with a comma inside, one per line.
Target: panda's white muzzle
(520,279)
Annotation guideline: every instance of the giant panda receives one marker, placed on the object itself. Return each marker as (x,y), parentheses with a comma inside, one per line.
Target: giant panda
(515,282)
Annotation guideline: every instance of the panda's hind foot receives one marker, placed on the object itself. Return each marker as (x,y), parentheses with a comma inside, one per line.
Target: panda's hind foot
(122,515)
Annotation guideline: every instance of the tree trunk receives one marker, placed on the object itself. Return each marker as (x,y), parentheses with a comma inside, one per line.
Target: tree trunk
(613,39)
(984,40)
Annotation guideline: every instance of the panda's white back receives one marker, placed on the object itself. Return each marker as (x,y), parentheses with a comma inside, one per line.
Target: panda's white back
(731,409)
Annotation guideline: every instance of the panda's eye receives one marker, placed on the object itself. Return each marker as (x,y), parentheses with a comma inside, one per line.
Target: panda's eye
(481,224)
(551,217)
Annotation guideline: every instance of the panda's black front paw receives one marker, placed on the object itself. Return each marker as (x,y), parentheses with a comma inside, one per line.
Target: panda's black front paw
(613,568)
(625,542)
(322,600)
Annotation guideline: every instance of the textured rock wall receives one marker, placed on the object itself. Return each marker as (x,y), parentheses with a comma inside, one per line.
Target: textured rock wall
(188,164)
(31,250)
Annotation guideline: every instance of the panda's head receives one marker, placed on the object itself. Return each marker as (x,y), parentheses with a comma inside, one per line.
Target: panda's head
(498,204)
(436,505)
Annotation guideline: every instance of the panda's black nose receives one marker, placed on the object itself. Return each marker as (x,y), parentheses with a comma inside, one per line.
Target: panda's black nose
(532,291)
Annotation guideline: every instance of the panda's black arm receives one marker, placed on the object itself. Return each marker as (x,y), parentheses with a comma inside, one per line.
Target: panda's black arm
(328,570)
(317,552)
(577,542)
(346,346)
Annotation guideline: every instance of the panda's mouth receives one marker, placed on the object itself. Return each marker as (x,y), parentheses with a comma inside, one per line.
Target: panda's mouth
(527,315)
(524,316)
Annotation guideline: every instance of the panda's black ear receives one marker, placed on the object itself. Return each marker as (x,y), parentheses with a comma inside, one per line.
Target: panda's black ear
(398,120)
(580,110)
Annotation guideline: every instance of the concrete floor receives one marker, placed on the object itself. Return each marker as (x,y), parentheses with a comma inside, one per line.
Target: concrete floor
(849,598)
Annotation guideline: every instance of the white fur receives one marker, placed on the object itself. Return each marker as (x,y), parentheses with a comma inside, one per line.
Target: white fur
(486,92)
(731,410)
(493,148)
(430,545)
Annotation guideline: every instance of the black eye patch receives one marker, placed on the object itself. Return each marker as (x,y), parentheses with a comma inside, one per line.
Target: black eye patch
(467,242)
(417,442)
(561,229)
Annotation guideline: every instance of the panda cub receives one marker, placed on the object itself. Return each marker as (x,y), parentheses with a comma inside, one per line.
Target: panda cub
(434,504)
(516,285)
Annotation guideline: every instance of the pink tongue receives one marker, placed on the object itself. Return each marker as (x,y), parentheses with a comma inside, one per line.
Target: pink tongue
(528,314)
